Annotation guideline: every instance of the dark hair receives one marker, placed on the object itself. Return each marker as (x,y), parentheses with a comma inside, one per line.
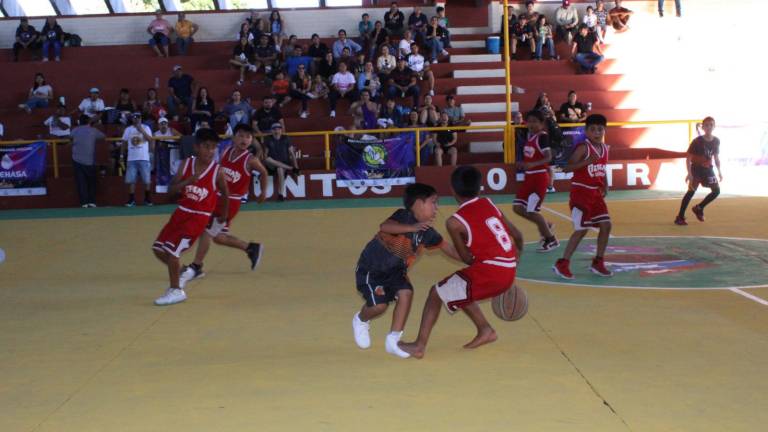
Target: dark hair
(204,135)
(242,127)
(535,114)
(570,92)
(278,19)
(529,2)
(365,15)
(596,119)
(583,26)
(439,9)
(417,191)
(84,119)
(199,94)
(34,82)
(313,35)
(465,181)
(708,118)
(342,31)
(450,97)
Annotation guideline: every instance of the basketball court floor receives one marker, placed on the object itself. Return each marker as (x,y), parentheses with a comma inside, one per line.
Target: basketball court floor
(83,348)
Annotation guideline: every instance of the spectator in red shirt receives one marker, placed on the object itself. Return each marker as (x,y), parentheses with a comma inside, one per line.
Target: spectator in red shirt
(160,30)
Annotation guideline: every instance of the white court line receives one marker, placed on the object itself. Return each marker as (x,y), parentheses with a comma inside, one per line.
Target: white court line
(750,296)
(566,217)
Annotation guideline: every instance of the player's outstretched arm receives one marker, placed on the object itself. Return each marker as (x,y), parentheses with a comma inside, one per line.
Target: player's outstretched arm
(391,226)
(458,233)
(255,164)
(450,251)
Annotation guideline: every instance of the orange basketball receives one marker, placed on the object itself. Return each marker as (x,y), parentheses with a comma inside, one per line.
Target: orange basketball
(511,305)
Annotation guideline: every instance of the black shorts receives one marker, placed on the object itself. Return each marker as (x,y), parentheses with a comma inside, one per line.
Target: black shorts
(704,176)
(380,288)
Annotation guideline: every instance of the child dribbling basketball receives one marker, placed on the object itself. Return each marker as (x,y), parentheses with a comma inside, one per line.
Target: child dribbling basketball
(381,273)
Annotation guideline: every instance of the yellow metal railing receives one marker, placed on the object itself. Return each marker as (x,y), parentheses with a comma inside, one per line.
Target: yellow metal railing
(509,142)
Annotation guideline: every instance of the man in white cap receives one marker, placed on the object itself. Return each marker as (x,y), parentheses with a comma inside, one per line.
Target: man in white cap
(280,158)
(92,106)
(139,145)
(161,141)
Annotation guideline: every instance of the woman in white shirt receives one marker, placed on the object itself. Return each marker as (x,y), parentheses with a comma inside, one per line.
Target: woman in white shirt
(404,47)
(40,95)
(386,63)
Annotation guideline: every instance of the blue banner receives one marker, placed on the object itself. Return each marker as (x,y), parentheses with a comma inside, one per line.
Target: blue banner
(370,161)
(22,169)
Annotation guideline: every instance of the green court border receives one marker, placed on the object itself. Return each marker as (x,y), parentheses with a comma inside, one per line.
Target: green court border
(322,204)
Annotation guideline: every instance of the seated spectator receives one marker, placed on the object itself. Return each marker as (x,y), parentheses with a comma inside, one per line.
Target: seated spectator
(417,23)
(368,80)
(445,142)
(590,20)
(394,20)
(403,82)
(365,111)
(92,106)
(84,139)
(27,38)
(620,17)
(243,58)
(320,88)
(404,46)
(281,89)
(342,42)
(298,59)
(358,65)
(257,24)
(138,145)
(530,14)
(52,36)
(443,22)
(160,30)
(545,107)
(327,67)
(522,32)
(185,30)
(276,29)
(180,89)
(124,107)
(544,37)
(203,107)
(393,113)
(434,39)
(317,49)
(572,111)
(266,116)
(586,51)
(417,64)
(237,110)
(455,112)
(288,47)
(567,20)
(152,108)
(59,124)
(378,37)
(342,87)
(385,63)
(426,139)
(392,47)
(429,114)
(247,32)
(346,57)
(364,29)
(301,89)
(280,158)
(602,20)
(265,55)
(40,95)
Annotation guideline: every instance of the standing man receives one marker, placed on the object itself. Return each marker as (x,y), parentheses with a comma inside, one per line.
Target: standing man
(280,158)
(139,144)
(185,29)
(84,139)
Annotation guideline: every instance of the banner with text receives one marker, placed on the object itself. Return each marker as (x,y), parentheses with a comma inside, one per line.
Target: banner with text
(376,162)
(22,170)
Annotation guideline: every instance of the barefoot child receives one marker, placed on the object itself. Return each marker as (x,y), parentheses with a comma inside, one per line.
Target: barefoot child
(488,243)
(381,272)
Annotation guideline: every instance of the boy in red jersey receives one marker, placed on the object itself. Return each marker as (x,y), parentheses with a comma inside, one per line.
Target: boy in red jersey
(530,196)
(197,181)
(587,201)
(488,243)
(237,163)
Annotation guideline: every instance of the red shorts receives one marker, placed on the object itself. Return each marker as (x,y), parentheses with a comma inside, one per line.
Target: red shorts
(234,208)
(587,207)
(477,282)
(532,192)
(181,231)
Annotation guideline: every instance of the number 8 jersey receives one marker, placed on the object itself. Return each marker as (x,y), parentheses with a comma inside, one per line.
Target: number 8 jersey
(487,236)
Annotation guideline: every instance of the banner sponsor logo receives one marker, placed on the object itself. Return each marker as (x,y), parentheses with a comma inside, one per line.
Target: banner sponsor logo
(22,170)
(370,161)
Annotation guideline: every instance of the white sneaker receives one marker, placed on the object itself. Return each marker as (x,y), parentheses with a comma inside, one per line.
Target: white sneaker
(445,53)
(391,345)
(333,114)
(434,61)
(252,68)
(267,69)
(189,274)
(91,205)
(431,92)
(304,114)
(360,331)
(171,296)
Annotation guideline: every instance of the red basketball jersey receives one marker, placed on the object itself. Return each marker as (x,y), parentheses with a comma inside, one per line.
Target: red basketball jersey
(592,176)
(200,196)
(236,172)
(487,236)
(532,151)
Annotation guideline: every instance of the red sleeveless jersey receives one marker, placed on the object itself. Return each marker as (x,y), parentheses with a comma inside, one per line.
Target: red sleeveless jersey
(487,236)
(236,172)
(532,151)
(200,196)
(592,176)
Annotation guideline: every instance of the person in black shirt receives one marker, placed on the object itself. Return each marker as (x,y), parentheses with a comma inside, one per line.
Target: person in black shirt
(265,55)
(266,116)
(203,107)
(446,142)
(180,89)
(52,36)
(403,82)
(434,37)
(280,158)
(26,38)
(572,111)
(703,150)
(393,21)
(243,57)
(586,51)
(327,67)
(317,49)
(417,22)
(377,37)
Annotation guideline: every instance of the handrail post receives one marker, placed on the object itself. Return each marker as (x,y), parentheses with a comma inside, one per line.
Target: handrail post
(506,47)
(690,132)
(513,144)
(327,138)
(55,159)
(418,147)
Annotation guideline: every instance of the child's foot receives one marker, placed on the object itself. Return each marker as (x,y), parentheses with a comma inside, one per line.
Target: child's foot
(415,350)
(680,220)
(483,337)
(562,268)
(390,345)
(598,267)
(171,296)
(360,331)
(254,251)
(190,273)
(548,245)
(699,212)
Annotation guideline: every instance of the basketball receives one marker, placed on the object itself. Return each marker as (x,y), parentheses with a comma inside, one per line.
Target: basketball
(511,305)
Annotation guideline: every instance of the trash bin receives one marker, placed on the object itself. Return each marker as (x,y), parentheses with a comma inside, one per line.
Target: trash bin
(492,44)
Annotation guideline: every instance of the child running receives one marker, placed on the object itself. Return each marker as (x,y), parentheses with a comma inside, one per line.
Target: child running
(237,163)
(198,180)
(702,151)
(488,243)
(381,273)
